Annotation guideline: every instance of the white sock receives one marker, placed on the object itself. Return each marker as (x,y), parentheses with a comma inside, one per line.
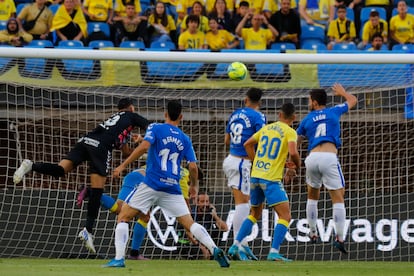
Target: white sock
(201,234)
(312,215)
(339,215)
(121,239)
(240,214)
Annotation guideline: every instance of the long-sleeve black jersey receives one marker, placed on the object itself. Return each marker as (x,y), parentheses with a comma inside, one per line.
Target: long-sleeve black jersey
(116,130)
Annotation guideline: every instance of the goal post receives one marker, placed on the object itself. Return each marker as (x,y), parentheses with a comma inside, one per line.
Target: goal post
(51,97)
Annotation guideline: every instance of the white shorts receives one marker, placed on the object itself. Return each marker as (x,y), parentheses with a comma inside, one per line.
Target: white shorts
(237,171)
(143,198)
(324,168)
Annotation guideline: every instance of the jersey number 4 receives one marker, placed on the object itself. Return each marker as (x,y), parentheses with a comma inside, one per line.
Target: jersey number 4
(320,130)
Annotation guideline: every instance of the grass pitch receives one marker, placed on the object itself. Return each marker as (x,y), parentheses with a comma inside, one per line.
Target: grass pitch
(46,267)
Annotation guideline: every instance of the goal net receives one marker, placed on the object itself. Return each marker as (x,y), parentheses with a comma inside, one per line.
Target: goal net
(50,98)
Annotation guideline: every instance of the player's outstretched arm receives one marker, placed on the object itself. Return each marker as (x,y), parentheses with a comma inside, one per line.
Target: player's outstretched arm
(140,150)
(339,90)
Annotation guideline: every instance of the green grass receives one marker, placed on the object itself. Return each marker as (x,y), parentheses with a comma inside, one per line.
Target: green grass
(46,267)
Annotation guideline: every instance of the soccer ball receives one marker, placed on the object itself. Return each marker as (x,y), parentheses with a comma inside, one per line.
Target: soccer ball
(237,71)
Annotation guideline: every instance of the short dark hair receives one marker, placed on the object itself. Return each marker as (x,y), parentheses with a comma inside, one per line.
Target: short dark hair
(244,4)
(192,18)
(373,13)
(319,95)
(377,35)
(341,7)
(254,94)
(174,110)
(125,102)
(288,109)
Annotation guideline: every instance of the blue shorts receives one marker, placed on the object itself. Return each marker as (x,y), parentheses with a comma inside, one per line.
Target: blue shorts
(131,180)
(272,191)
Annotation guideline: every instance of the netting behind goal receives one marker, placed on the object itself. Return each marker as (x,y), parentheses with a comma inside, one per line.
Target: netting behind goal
(41,119)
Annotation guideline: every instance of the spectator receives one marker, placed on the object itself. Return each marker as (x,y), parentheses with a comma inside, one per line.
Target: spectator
(163,25)
(341,30)
(319,13)
(256,38)
(7,9)
(218,39)
(13,36)
(211,4)
(198,10)
(38,20)
(223,16)
(401,26)
(244,8)
(287,22)
(130,27)
(193,38)
(388,5)
(98,10)
(69,22)
(205,214)
(374,26)
(377,42)
(120,7)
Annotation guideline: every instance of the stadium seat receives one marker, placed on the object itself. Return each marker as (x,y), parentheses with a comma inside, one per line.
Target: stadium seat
(99,26)
(53,8)
(314,45)
(344,46)
(367,10)
(19,7)
(349,14)
(282,46)
(171,71)
(312,33)
(132,44)
(410,10)
(97,44)
(76,68)
(3,24)
(37,67)
(269,72)
(6,63)
(166,45)
(403,47)
(40,43)
(70,44)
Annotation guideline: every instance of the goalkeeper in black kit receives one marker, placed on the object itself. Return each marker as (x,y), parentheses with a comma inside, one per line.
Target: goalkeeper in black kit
(95,147)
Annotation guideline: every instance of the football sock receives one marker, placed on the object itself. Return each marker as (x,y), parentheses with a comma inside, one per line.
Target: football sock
(279,233)
(49,169)
(339,215)
(121,239)
(312,215)
(240,214)
(109,203)
(140,229)
(93,207)
(245,229)
(201,234)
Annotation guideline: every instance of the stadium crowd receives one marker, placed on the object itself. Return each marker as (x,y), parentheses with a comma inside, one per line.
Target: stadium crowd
(213,24)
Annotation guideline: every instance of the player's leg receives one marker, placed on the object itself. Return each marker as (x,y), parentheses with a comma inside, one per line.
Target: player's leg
(55,170)
(333,180)
(282,226)
(314,183)
(95,193)
(237,171)
(138,202)
(257,199)
(122,234)
(139,231)
(201,234)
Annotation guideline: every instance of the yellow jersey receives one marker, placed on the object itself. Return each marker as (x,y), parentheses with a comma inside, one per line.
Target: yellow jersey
(272,151)
(192,41)
(256,40)
(402,29)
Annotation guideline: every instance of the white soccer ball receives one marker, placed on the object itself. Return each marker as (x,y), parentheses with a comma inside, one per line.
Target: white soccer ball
(237,71)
